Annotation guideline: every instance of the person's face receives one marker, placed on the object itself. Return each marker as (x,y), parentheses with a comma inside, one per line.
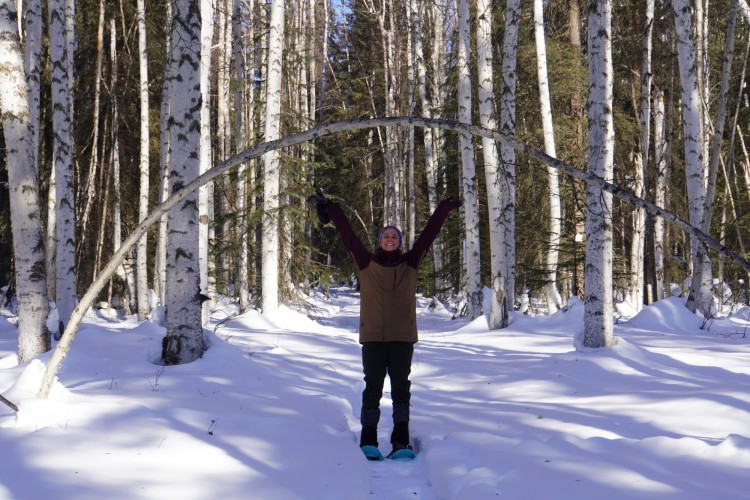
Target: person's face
(389,240)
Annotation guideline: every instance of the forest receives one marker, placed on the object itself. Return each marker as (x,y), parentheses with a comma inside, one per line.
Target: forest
(112,109)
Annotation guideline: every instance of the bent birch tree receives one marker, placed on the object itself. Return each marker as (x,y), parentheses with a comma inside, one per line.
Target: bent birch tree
(316,133)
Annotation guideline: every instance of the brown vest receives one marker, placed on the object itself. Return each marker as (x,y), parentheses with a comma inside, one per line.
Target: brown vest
(388,305)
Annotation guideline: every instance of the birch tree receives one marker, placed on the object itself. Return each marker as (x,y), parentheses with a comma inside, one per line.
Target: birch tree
(598,302)
(206,193)
(507,181)
(494,176)
(641,161)
(33,67)
(241,76)
(468,177)
(142,252)
(270,247)
(418,12)
(554,301)
(61,16)
(184,340)
(28,246)
(701,296)
(160,260)
(660,190)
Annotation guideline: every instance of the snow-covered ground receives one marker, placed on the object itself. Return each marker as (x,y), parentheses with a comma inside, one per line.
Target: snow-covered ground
(271,411)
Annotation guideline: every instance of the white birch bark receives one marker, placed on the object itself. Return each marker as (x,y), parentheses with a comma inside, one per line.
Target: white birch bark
(494,176)
(160,260)
(270,246)
(142,251)
(61,62)
(638,232)
(23,188)
(184,340)
(507,254)
(598,302)
(744,9)
(418,11)
(721,114)
(701,296)
(33,67)
(554,301)
(87,199)
(205,195)
(125,271)
(238,23)
(468,178)
(641,163)
(223,51)
(660,190)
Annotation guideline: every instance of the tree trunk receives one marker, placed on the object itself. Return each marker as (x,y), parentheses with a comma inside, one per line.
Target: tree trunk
(494,176)
(160,261)
(270,248)
(701,296)
(142,252)
(61,56)
(241,75)
(430,158)
(28,246)
(206,194)
(468,180)
(554,301)
(507,262)
(660,191)
(184,340)
(598,303)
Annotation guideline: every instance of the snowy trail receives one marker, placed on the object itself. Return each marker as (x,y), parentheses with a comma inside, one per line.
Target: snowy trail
(401,480)
(273,409)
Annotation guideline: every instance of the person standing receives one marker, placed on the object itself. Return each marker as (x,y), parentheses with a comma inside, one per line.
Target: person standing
(388,318)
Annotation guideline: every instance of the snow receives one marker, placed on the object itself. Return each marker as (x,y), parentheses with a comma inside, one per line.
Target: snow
(271,411)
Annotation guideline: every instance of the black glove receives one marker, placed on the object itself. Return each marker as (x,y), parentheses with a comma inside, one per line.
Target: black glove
(453,202)
(321,202)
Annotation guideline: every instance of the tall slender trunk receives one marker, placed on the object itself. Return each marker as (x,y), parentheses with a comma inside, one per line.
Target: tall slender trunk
(184,340)
(660,191)
(241,76)
(499,307)
(507,256)
(142,251)
(270,248)
(206,194)
(468,178)
(598,303)
(701,296)
(90,194)
(554,301)
(418,11)
(28,247)
(61,56)
(160,261)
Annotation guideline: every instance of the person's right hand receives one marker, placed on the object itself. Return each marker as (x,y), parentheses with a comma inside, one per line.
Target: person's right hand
(453,202)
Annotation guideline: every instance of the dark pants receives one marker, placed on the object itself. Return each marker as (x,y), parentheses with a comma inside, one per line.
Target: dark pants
(379,359)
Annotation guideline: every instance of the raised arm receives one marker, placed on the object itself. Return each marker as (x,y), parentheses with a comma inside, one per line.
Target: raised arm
(349,238)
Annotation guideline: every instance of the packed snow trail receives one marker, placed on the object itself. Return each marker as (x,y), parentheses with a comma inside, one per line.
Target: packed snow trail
(271,410)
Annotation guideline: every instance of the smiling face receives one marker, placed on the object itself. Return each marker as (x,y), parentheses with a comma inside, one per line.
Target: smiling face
(389,240)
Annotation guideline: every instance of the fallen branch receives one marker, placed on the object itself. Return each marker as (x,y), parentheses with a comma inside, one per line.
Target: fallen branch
(9,403)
